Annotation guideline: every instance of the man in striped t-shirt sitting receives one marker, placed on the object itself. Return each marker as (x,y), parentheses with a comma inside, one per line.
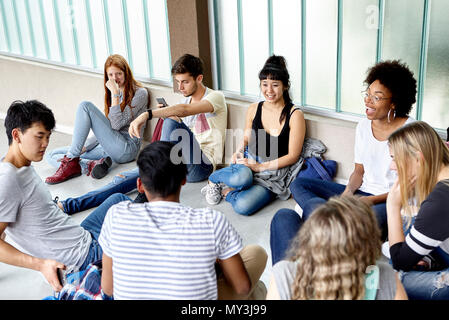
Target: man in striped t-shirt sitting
(164,250)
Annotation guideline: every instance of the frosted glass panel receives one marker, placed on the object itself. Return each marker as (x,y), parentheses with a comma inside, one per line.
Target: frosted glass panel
(36,22)
(436,90)
(137,36)
(255,42)
(24,28)
(116,25)
(287,40)
(82,32)
(51,30)
(12,27)
(359,41)
(3,40)
(99,32)
(65,18)
(159,39)
(228,45)
(321,52)
(402,34)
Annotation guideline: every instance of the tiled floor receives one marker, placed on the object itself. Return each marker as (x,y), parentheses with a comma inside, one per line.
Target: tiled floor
(19,283)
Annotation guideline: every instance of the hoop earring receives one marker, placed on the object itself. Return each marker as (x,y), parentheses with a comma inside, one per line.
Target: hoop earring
(394,115)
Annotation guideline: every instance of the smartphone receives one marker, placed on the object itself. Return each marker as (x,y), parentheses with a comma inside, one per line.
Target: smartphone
(61,276)
(161,101)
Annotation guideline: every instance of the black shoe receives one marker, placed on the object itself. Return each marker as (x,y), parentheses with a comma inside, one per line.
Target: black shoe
(99,168)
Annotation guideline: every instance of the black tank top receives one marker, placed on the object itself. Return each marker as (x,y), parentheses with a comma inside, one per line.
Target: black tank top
(265,146)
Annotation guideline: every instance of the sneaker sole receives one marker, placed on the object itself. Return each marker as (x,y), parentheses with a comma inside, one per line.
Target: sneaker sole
(69,177)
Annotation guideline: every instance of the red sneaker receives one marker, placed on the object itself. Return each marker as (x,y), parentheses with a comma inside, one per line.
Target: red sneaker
(99,168)
(69,168)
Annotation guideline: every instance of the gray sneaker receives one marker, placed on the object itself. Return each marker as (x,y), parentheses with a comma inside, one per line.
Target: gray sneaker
(212,193)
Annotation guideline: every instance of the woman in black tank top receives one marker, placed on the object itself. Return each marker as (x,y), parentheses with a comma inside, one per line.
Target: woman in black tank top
(273,139)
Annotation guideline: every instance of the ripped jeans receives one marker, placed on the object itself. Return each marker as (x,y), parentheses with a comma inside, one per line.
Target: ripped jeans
(426,285)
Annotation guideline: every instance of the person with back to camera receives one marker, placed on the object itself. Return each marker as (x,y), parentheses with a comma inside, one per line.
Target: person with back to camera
(421,159)
(162,249)
(389,97)
(273,140)
(335,256)
(124,100)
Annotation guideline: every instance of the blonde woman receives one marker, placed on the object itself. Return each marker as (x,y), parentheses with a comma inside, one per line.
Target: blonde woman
(421,159)
(331,256)
(124,100)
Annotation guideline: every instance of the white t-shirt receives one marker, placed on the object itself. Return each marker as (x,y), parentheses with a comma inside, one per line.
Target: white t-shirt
(374,155)
(164,250)
(210,128)
(36,223)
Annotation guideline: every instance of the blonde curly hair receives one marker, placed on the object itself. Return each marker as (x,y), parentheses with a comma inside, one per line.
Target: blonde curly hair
(333,249)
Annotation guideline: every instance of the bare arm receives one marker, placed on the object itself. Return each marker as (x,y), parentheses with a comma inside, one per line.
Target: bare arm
(400,291)
(12,256)
(235,274)
(355,180)
(106,276)
(272,292)
(178,110)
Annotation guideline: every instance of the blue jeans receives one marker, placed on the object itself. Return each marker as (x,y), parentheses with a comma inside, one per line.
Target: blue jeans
(246,198)
(426,285)
(310,193)
(283,229)
(96,197)
(93,224)
(198,165)
(120,147)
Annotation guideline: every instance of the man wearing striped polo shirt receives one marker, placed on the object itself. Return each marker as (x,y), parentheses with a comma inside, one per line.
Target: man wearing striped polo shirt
(164,250)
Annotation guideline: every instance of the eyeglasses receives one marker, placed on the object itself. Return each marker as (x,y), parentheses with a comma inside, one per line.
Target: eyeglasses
(373,98)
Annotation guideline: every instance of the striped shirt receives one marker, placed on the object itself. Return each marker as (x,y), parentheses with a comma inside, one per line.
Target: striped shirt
(430,230)
(164,250)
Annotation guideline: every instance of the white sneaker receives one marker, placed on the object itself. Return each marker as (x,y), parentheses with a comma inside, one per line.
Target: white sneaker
(298,210)
(212,192)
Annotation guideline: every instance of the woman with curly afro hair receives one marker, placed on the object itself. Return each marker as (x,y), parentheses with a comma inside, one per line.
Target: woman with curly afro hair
(389,96)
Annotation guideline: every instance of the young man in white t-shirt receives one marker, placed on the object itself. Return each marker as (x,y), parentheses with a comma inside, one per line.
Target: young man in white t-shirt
(44,238)
(162,249)
(198,125)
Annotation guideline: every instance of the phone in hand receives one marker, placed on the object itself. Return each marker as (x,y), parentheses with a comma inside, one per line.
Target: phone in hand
(61,276)
(162,101)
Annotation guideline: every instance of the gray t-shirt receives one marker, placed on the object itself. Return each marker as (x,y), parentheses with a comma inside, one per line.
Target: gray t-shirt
(36,223)
(284,273)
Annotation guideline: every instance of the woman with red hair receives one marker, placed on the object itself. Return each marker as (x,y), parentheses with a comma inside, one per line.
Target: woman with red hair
(124,100)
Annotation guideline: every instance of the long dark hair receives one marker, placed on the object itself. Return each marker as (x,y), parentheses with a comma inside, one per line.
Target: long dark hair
(275,68)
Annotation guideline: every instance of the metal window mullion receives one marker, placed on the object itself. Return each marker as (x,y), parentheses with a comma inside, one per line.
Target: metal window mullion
(107,26)
(168,35)
(16,19)
(30,27)
(148,38)
(44,29)
(126,32)
(303,52)
(339,54)
(241,48)
(74,33)
(93,50)
(270,28)
(58,29)
(5,25)
(423,58)
(380,30)
(217,45)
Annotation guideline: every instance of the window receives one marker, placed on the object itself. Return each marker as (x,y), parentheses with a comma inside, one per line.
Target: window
(85,32)
(330,44)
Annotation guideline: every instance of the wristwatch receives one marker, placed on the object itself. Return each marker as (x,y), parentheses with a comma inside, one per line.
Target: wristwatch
(150,114)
